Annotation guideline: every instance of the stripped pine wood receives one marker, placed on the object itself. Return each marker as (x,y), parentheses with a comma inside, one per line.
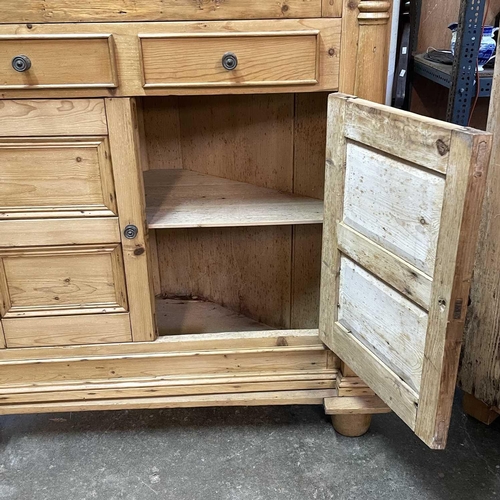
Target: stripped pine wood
(65,280)
(162,131)
(173,344)
(309,397)
(194,60)
(65,11)
(480,365)
(90,230)
(408,357)
(355,405)
(331,8)
(59,330)
(320,62)
(49,392)
(162,389)
(3,343)
(309,142)
(92,61)
(31,118)
(125,152)
(254,145)
(280,359)
(407,279)
(180,317)
(383,320)
(375,186)
(351,386)
(182,199)
(54,176)
(470,154)
(154,262)
(426,141)
(232,266)
(365,36)
(401,398)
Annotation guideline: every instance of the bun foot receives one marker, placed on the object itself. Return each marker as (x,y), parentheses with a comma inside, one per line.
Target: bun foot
(351,425)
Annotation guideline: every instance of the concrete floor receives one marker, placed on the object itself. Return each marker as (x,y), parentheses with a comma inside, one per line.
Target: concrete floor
(239,453)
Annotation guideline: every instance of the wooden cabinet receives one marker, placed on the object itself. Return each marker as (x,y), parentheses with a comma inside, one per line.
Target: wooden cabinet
(166,224)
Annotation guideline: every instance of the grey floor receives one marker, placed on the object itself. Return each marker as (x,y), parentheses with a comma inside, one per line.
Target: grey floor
(239,453)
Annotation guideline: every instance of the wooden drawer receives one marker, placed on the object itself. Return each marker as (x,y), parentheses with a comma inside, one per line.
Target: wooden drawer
(262,59)
(83,284)
(56,177)
(57,61)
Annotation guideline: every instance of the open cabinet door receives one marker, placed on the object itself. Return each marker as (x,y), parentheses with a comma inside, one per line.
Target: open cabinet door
(402,204)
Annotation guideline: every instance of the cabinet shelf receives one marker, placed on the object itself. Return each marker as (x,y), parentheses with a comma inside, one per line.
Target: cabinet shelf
(188,316)
(178,198)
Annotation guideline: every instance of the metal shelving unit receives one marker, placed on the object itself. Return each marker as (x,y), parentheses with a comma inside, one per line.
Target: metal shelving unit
(461,77)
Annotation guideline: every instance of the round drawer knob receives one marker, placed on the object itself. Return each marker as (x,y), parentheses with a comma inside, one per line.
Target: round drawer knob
(130,231)
(21,63)
(229,61)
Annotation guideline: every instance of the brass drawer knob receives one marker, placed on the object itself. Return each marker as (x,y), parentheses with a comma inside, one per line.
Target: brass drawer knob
(21,63)
(229,61)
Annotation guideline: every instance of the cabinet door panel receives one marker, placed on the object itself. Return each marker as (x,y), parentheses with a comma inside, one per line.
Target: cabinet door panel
(63,295)
(402,202)
(63,280)
(56,177)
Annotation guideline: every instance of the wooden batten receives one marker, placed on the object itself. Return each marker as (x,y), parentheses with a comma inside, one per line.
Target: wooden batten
(66,11)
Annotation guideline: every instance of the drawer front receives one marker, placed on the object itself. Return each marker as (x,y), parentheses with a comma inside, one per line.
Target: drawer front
(55,178)
(57,61)
(243,59)
(79,282)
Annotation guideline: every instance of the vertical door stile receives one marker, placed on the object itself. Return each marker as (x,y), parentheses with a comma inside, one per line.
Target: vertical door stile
(124,137)
(333,203)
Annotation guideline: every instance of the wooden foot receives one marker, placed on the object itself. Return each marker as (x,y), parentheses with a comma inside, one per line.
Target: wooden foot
(351,425)
(479,410)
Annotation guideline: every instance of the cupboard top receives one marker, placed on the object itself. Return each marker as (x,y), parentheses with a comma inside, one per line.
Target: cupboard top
(68,11)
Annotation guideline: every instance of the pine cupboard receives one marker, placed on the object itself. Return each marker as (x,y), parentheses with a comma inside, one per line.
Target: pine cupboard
(188,218)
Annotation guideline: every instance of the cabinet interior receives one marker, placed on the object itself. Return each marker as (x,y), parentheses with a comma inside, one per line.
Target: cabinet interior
(234,188)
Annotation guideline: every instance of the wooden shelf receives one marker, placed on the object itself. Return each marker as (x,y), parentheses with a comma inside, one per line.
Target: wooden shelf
(177,317)
(182,199)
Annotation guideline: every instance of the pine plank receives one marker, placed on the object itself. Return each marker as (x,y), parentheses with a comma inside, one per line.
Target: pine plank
(61,330)
(125,152)
(67,11)
(355,405)
(183,199)
(480,366)
(306,397)
(179,317)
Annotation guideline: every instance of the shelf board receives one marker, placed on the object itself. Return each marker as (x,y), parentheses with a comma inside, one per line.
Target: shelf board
(441,74)
(179,317)
(182,199)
